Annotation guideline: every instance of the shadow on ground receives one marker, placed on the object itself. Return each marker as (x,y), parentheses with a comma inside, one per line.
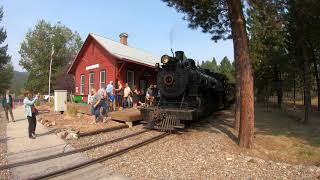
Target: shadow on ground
(279,133)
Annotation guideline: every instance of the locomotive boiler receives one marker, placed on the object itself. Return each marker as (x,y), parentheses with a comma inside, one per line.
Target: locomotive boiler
(187,93)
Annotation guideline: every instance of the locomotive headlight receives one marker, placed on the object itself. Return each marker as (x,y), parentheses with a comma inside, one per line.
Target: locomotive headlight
(165,59)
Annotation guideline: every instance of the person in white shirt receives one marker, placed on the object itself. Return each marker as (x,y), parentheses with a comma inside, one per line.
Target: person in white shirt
(94,101)
(31,112)
(126,95)
(104,100)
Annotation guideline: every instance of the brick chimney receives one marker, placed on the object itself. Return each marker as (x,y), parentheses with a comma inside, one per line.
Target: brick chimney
(124,38)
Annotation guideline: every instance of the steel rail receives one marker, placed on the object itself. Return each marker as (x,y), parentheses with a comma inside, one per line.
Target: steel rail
(100,159)
(54,156)
(90,133)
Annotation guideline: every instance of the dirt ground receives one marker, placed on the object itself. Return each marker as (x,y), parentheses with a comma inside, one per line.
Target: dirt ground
(80,122)
(4,174)
(278,135)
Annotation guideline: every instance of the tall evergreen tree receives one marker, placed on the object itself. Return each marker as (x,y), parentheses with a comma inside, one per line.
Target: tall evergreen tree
(212,66)
(36,49)
(304,44)
(268,45)
(224,19)
(227,69)
(6,68)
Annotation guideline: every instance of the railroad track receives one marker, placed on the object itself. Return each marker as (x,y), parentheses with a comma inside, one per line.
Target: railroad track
(87,163)
(54,156)
(100,159)
(90,133)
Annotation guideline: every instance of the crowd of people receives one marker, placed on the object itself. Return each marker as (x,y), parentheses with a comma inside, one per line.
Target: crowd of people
(108,98)
(120,96)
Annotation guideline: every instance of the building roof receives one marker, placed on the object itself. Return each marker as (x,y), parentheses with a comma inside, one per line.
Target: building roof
(120,51)
(126,52)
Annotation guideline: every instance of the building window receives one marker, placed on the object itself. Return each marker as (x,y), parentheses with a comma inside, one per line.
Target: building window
(130,78)
(81,84)
(91,81)
(102,78)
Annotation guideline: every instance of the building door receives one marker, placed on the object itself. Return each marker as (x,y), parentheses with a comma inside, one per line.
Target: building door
(130,78)
(143,84)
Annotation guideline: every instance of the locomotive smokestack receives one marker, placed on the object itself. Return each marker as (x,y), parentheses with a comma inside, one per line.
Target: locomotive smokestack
(179,55)
(124,38)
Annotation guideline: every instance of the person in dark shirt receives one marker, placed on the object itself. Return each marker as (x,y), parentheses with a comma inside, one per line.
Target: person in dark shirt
(7,105)
(119,94)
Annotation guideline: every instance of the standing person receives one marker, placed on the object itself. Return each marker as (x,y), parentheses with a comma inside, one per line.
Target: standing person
(7,105)
(149,97)
(103,100)
(119,94)
(126,96)
(1,99)
(136,94)
(31,113)
(109,88)
(155,93)
(110,94)
(94,101)
(130,99)
(142,96)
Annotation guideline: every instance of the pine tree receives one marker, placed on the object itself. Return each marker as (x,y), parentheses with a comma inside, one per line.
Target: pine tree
(224,19)
(227,69)
(267,46)
(6,69)
(212,66)
(36,49)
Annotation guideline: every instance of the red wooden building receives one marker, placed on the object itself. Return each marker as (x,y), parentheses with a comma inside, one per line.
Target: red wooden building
(102,60)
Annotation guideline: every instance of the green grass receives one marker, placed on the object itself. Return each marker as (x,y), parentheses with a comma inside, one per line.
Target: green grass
(307,154)
(280,131)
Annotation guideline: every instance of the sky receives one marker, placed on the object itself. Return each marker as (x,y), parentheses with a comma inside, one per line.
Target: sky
(149,23)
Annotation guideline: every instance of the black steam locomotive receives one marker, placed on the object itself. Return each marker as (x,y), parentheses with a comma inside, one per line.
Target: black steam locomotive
(187,93)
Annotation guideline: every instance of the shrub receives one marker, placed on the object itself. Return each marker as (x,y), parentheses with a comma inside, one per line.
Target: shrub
(72,111)
(37,103)
(51,104)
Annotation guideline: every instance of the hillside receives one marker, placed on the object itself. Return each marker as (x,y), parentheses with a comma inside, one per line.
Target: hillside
(18,81)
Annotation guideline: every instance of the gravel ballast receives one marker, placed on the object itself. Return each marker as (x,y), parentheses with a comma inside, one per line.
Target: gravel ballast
(198,153)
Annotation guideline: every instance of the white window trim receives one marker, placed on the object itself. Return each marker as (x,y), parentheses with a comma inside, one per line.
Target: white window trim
(105,76)
(91,82)
(82,85)
(133,77)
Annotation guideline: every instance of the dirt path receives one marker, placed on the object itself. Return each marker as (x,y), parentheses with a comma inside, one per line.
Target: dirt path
(5,174)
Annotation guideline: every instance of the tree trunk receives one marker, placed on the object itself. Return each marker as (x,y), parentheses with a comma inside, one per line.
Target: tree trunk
(294,91)
(316,74)
(238,100)
(241,53)
(306,64)
(278,83)
(307,87)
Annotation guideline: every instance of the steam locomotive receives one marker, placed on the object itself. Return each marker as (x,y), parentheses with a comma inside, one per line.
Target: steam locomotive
(187,93)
